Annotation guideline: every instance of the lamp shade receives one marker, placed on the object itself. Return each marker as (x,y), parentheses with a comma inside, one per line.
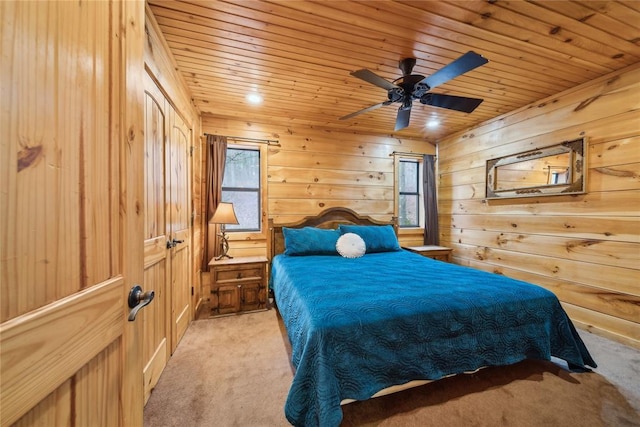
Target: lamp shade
(224,214)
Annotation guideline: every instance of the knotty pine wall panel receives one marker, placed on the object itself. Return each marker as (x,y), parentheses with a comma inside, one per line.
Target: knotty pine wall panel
(161,65)
(584,248)
(315,169)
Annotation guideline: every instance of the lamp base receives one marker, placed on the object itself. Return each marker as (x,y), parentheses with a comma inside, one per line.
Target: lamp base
(224,246)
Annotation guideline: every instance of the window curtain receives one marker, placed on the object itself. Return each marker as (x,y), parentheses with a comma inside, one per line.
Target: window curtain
(216,158)
(431,232)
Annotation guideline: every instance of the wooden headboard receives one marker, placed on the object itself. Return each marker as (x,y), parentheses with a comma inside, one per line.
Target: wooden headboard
(329,218)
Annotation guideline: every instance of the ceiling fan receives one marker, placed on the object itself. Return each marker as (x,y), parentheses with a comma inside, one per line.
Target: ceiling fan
(414,86)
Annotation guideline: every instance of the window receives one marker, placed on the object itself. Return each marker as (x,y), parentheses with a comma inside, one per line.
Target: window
(241,186)
(410,203)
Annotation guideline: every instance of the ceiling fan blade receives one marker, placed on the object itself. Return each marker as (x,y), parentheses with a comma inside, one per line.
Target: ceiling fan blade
(465,63)
(365,110)
(373,78)
(402,120)
(451,102)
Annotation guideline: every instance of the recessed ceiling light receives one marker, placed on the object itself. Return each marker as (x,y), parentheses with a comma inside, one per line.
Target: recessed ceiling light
(433,123)
(254,98)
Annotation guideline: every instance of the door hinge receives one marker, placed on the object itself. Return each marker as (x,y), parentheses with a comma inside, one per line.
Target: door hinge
(192,291)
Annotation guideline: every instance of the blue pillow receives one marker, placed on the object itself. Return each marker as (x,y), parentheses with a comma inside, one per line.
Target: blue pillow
(310,241)
(377,238)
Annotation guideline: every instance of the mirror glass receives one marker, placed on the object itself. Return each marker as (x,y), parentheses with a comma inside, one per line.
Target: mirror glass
(556,169)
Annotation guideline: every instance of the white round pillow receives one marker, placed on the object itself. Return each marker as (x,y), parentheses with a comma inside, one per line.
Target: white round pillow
(350,245)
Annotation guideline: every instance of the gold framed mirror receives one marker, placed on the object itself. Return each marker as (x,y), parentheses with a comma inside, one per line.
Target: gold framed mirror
(553,170)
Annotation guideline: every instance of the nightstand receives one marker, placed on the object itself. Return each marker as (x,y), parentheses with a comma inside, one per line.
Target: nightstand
(440,253)
(238,285)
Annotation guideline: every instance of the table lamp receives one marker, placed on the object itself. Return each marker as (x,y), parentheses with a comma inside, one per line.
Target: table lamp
(224,214)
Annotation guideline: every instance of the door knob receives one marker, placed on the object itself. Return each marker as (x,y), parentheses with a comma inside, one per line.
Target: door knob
(137,300)
(173,243)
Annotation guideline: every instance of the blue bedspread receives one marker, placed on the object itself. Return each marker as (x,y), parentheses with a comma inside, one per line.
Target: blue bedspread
(357,326)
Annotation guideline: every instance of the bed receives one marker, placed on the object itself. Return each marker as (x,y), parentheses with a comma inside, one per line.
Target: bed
(359,324)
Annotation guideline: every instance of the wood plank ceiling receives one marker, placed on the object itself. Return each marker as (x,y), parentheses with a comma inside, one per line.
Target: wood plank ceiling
(298,55)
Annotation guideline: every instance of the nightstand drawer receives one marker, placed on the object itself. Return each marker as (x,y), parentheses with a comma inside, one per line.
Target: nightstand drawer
(440,253)
(232,273)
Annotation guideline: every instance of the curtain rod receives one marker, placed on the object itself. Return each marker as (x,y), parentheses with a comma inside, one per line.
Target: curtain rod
(400,153)
(256,140)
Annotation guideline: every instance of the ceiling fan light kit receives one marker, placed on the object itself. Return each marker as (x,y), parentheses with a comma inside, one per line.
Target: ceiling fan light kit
(409,87)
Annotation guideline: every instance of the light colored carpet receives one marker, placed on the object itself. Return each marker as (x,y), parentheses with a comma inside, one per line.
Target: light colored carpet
(618,363)
(236,371)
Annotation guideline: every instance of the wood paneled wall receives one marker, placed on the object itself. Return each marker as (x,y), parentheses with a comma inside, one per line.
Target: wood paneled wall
(584,248)
(315,169)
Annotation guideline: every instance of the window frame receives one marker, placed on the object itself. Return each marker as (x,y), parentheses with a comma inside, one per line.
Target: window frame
(420,192)
(247,235)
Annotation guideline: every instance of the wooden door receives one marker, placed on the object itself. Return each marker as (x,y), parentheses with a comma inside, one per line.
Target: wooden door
(167,244)
(252,296)
(71,197)
(157,319)
(179,220)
